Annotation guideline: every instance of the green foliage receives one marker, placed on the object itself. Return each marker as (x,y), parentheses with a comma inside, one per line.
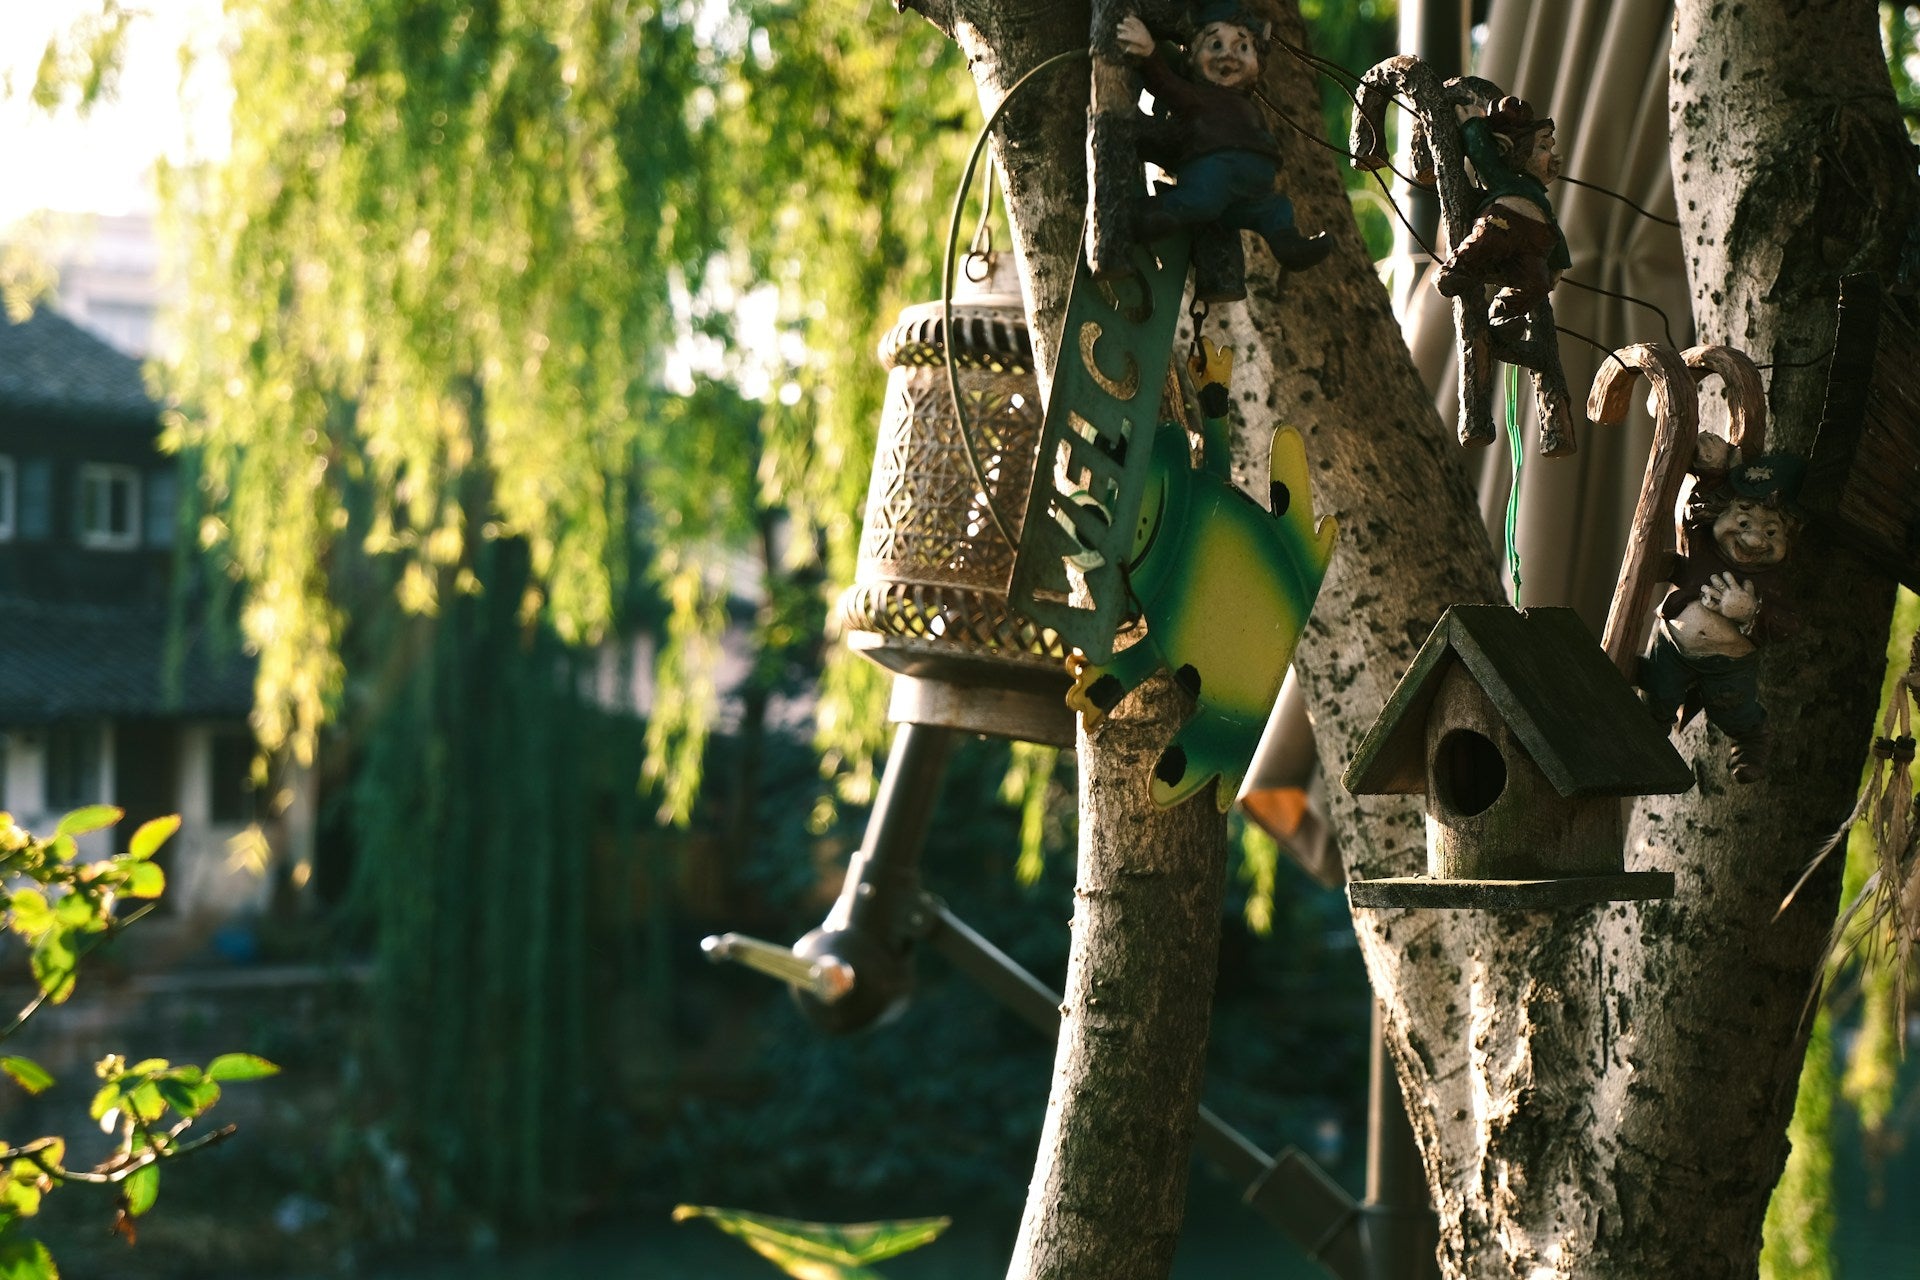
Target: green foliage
(63,908)
(1353,36)
(1872,1065)
(1799,1226)
(818,1250)
(480,775)
(1031,785)
(465,258)
(1259,867)
(1900,33)
(81,67)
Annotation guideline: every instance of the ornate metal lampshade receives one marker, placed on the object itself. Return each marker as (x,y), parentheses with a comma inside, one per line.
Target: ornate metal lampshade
(929,598)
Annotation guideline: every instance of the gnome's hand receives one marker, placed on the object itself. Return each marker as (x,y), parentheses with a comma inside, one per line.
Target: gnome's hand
(1733,600)
(1712,452)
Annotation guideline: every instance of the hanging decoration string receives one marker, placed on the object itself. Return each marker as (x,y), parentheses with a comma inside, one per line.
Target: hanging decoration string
(1345,79)
(1665,323)
(1519,457)
(1648,214)
(960,420)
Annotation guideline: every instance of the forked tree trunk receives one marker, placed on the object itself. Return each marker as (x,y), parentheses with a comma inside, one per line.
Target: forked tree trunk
(1597,1093)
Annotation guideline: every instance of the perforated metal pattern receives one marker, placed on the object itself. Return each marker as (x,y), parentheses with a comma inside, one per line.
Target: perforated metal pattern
(934,568)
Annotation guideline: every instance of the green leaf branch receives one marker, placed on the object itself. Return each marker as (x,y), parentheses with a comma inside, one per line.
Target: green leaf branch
(63,909)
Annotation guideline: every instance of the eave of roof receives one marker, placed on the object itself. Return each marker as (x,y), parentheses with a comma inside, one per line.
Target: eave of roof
(88,661)
(51,367)
(1553,686)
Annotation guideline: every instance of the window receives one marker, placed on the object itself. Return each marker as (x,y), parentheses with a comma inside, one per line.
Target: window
(36,500)
(73,765)
(162,508)
(7,499)
(230,790)
(109,507)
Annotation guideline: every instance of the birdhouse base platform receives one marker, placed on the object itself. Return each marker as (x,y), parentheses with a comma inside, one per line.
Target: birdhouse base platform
(1510,895)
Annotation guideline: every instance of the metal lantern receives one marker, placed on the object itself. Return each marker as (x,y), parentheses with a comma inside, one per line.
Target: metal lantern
(929,599)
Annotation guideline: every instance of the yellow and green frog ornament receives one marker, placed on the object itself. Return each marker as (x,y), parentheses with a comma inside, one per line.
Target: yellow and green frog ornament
(1225,587)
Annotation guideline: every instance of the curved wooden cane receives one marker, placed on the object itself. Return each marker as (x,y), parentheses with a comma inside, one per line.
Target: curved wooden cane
(1746,394)
(1650,542)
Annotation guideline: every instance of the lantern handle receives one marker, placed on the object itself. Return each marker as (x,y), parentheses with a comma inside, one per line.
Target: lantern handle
(960,421)
(1676,423)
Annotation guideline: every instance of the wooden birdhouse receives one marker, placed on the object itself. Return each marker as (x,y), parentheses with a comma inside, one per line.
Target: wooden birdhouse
(1523,737)
(1863,479)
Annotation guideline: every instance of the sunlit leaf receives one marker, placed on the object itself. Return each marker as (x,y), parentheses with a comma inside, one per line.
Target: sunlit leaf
(152,834)
(147,1103)
(53,963)
(27,1073)
(22,1258)
(141,1189)
(144,880)
(105,1099)
(94,817)
(20,1196)
(189,1098)
(32,915)
(240,1066)
(788,1241)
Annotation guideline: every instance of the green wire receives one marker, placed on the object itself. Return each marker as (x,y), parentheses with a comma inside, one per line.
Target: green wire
(1518,455)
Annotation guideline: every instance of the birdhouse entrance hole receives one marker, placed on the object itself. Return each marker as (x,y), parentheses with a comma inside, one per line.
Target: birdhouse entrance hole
(1469,772)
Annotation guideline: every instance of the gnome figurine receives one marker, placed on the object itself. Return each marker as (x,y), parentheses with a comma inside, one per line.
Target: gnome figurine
(1211,136)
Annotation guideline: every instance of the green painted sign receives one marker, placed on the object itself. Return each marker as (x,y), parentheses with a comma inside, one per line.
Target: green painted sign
(1096,448)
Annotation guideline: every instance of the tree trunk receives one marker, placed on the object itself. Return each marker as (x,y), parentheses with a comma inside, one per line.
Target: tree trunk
(1109,1184)
(1601,1092)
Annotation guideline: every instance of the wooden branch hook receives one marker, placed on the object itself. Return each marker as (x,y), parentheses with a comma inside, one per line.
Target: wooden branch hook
(1746,394)
(1650,542)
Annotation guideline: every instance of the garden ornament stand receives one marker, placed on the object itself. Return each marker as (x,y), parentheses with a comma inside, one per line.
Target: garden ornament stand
(1501,227)
(1114,509)
(856,970)
(1722,604)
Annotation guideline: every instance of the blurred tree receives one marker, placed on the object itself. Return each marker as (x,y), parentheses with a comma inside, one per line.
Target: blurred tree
(508,325)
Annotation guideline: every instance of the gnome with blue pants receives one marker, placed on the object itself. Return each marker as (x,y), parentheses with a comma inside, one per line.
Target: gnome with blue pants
(1225,158)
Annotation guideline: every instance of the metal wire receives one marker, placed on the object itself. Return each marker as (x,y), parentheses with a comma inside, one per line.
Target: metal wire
(946,284)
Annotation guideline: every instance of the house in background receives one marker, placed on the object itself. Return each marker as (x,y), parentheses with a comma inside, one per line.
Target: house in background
(102,699)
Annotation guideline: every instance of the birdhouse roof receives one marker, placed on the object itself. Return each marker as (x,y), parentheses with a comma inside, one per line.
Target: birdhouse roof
(1553,686)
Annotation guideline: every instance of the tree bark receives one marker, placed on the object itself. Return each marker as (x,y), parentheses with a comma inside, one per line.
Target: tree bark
(1324,356)
(1110,1177)
(1600,1092)
(1109,1184)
